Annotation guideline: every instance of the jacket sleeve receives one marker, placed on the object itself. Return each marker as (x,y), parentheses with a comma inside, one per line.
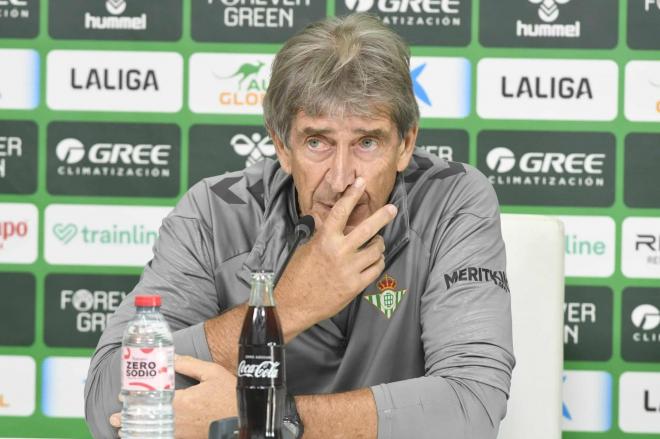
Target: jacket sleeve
(181,272)
(466,332)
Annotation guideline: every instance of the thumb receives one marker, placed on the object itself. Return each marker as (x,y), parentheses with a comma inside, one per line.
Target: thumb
(193,367)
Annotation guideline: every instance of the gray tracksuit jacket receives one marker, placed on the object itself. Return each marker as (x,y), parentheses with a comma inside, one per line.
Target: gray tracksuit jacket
(431,337)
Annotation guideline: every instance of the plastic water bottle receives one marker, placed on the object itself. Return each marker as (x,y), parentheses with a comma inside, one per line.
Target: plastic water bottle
(147,373)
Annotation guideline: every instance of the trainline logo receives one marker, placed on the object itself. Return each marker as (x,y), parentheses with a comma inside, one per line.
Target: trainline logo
(589,245)
(115,235)
(101,235)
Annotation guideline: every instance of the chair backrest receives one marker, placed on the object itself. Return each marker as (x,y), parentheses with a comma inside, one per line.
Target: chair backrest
(535,269)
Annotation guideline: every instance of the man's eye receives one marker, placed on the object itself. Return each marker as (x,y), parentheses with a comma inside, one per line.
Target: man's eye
(314,143)
(368,144)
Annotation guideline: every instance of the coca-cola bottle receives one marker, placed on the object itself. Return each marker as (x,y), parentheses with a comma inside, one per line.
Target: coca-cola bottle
(261,385)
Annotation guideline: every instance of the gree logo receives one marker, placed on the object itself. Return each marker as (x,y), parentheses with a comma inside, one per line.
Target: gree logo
(646,317)
(403,6)
(501,160)
(359,5)
(253,148)
(548,9)
(71,151)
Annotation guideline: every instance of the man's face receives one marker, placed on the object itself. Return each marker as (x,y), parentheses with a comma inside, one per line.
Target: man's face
(326,154)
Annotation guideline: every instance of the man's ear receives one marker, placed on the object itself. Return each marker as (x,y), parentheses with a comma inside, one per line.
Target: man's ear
(283,153)
(407,147)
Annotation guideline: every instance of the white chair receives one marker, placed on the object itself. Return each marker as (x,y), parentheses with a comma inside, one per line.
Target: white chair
(535,269)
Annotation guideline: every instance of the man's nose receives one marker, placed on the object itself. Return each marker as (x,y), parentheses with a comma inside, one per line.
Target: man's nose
(342,171)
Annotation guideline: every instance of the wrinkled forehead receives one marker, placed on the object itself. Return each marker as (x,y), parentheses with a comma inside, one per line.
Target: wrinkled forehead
(379,125)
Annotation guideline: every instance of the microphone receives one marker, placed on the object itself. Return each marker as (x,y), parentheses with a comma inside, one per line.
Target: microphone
(303,230)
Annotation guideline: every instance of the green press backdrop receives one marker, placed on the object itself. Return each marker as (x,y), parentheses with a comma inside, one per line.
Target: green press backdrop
(110,110)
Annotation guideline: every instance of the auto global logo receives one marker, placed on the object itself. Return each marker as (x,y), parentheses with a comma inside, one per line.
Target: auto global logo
(114,21)
(548,12)
(431,13)
(534,168)
(113,159)
(250,87)
(228,82)
(646,318)
(254,147)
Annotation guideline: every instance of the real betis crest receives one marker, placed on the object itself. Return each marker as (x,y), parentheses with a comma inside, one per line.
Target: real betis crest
(388,298)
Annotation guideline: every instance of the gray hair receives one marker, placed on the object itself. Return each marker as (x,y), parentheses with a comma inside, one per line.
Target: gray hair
(341,66)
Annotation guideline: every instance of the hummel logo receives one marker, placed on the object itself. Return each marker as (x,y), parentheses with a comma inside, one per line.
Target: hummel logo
(548,9)
(115,7)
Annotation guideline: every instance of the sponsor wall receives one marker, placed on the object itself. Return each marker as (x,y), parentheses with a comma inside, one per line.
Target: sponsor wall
(111,109)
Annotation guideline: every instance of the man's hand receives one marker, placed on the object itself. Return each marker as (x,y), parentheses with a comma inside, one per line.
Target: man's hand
(197,406)
(326,273)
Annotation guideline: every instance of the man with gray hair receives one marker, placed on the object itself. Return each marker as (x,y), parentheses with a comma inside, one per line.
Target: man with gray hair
(396,312)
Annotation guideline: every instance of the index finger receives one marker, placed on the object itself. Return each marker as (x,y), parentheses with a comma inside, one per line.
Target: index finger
(368,228)
(193,367)
(341,211)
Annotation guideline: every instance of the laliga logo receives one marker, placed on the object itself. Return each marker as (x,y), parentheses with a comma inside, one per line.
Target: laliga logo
(646,317)
(548,9)
(254,148)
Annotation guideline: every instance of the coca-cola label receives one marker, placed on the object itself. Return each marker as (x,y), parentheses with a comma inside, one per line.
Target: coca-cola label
(267,369)
(149,369)
(260,366)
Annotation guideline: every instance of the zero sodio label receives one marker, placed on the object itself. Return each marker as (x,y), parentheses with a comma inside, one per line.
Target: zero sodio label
(147,368)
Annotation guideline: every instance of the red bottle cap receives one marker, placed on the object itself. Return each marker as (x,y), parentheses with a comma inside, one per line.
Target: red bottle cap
(153,300)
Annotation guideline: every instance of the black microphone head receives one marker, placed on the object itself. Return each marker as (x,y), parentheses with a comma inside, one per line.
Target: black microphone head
(305,226)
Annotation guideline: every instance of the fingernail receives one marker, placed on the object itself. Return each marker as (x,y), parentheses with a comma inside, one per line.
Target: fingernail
(392,209)
(115,420)
(359,183)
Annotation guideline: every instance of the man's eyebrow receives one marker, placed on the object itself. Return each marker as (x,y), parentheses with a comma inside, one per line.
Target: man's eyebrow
(376,132)
(311,131)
